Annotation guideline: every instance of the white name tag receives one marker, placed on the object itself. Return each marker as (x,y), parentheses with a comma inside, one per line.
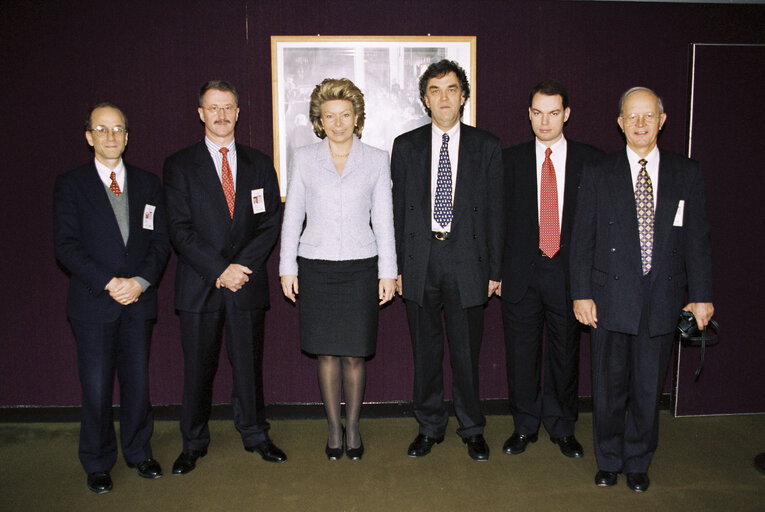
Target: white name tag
(258,201)
(679,214)
(148,216)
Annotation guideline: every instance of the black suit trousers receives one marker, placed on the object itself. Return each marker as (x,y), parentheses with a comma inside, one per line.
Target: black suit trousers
(544,308)
(102,349)
(201,335)
(464,331)
(628,375)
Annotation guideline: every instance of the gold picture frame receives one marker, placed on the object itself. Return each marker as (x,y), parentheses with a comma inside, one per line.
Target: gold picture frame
(385,68)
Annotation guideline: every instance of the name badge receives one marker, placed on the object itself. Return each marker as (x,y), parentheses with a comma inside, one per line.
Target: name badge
(679,214)
(258,201)
(148,216)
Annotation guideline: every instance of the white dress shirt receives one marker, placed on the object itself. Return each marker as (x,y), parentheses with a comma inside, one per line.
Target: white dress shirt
(105,174)
(652,166)
(217,157)
(435,155)
(558,158)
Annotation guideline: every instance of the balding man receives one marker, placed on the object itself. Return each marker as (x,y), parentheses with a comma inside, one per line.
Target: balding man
(640,244)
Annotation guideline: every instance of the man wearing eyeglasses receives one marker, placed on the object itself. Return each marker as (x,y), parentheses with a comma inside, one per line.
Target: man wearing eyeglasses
(640,244)
(223,213)
(110,234)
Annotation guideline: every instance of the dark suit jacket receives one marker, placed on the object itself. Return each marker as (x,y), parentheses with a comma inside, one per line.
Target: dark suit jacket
(605,248)
(205,237)
(522,212)
(89,244)
(478,218)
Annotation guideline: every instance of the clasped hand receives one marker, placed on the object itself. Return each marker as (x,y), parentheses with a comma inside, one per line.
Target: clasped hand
(234,277)
(124,290)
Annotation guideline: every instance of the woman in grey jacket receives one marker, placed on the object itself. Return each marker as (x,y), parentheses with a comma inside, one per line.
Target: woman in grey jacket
(337,236)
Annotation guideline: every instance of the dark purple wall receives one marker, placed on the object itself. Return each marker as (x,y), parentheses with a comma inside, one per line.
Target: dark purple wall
(150,57)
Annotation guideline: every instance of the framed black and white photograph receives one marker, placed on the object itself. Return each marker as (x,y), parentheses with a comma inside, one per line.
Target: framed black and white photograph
(386,69)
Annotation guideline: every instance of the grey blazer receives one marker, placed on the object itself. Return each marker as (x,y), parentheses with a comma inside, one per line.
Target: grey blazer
(347,216)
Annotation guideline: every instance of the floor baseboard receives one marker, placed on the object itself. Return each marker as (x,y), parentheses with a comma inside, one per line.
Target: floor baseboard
(172,412)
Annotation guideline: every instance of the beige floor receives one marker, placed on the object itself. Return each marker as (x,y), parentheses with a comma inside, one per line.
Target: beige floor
(703,464)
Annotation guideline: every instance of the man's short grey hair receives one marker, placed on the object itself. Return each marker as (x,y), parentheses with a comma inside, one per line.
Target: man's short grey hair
(632,90)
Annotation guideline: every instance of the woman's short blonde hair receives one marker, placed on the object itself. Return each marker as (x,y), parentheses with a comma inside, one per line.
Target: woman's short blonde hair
(336,89)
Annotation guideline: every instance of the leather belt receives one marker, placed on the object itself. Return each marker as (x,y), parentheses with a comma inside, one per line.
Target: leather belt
(441,235)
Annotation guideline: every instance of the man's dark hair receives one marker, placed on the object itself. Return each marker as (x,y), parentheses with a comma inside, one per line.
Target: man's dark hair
(439,69)
(218,85)
(550,88)
(103,104)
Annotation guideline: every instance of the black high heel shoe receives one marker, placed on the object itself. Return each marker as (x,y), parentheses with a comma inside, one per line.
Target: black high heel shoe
(355,453)
(335,453)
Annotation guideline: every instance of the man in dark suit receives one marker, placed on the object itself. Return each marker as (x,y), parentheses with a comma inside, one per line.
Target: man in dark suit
(110,234)
(449,247)
(640,243)
(223,212)
(541,181)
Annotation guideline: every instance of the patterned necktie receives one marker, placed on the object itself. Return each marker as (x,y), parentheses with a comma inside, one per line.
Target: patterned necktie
(114,186)
(443,208)
(644,203)
(228,183)
(549,225)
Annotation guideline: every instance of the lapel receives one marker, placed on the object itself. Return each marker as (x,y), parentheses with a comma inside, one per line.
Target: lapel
(208,176)
(622,196)
(669,195)
(573,170)
(421,164)
(96,194)
(135,205)
(527,184)
(466,165)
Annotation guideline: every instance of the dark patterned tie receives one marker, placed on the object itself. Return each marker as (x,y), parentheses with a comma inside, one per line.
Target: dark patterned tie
(114,186)
(549,225)
(228,183)
(644,203)
(443,208)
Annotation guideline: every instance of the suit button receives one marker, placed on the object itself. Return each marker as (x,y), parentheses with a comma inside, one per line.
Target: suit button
(616,278)
(669,278)
(610,222)
(411,207)
(475,208)
(411,257)
(475,236)
(613,249)
(674,251)
(480,258)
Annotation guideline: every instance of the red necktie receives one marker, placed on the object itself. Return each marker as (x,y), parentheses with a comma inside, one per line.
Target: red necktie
(549,225)
(228,183)
(114,187)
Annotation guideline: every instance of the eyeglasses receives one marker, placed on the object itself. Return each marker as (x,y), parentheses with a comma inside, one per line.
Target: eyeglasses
(648,118)
(217,108)
(102,131)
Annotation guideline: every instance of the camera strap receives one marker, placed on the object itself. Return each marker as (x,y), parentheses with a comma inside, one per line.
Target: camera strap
(703,339)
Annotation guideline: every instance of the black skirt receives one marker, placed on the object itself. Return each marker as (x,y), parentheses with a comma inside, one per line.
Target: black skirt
(338,306)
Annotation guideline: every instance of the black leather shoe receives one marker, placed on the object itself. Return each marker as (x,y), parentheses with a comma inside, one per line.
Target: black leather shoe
(605,478)
(569,446)
(149,468)
(422,444)
(517,443)
(335,453)
(355,453)
(269,451)
(187,461)
(100,482)
(477,447)
(638,482)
